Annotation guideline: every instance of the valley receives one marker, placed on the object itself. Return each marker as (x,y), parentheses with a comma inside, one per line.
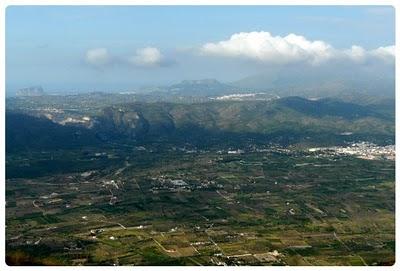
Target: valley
(181,206)
(91,180)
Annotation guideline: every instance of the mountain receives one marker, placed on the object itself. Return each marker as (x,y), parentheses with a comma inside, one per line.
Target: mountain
(321,81)
(286,117)
(285,120)
(331,107)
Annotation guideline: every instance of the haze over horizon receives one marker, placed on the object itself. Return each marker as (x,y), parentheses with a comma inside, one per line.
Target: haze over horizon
(64,48)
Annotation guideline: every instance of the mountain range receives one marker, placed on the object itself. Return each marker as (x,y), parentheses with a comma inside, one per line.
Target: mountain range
(289,115)
(295,80)
(288,120)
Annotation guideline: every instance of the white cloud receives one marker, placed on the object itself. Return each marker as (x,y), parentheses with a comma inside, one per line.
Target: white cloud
(359,54)
(263,47)
(98,57)
(147,57)
(356,53)
(385,53)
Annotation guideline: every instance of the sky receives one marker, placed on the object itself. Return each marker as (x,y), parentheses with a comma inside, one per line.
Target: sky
(120,48)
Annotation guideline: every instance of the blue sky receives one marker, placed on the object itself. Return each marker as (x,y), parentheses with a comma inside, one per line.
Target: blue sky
(118,48)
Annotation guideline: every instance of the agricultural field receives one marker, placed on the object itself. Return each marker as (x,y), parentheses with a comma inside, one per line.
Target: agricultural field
(177,206)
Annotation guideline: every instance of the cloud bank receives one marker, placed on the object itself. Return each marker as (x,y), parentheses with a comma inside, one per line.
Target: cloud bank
(263,47)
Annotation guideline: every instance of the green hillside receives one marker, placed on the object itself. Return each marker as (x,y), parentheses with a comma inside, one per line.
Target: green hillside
(288,116)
